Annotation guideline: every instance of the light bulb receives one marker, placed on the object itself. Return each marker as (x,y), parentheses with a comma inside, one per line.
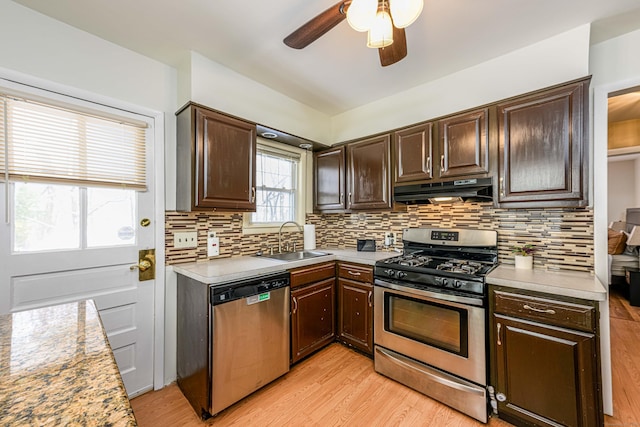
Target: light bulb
(381,32)
(361,14)
(404,12)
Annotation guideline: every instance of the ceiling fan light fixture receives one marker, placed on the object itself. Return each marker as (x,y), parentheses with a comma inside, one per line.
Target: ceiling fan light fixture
(381,32)
(361,14)
(405,12)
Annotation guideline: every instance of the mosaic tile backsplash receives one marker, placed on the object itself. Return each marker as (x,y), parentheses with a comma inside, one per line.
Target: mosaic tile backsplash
(563,238)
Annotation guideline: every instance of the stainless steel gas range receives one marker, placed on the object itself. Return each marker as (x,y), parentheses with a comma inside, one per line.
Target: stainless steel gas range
(430,315)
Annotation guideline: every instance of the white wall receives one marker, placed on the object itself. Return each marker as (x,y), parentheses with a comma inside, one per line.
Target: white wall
(621,188)
(220,88)
(555,60)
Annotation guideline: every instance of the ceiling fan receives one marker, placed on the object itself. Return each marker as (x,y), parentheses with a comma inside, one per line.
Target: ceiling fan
(384,20)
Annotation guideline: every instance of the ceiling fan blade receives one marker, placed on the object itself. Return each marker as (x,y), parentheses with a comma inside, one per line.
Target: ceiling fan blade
(318,26)
(396,51)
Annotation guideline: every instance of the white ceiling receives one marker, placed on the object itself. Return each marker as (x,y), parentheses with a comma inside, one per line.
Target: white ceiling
(337,72)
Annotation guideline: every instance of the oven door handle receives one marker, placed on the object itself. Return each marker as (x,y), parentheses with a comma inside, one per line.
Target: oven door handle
(411,365)
(478,302)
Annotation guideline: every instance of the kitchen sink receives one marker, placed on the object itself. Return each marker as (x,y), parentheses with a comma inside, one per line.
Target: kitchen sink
(295,256)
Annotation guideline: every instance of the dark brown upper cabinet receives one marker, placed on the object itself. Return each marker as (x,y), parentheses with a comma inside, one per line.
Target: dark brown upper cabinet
(216,161)
(464,144)
(369,173)
(543,148)
(413,153)
(330,179)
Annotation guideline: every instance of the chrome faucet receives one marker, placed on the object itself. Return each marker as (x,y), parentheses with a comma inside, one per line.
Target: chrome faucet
(280,233)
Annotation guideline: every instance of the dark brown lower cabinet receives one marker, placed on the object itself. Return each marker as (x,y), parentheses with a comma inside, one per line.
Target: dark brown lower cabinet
(355,306)
(355,314)
(544,373)
(312,311)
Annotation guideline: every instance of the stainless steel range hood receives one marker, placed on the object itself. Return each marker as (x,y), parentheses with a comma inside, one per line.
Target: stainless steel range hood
(480,189)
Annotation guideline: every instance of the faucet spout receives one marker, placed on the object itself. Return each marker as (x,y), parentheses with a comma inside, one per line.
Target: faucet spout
(280,233)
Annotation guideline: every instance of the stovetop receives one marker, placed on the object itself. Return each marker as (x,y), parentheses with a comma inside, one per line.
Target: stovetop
(458,259)
(419,260)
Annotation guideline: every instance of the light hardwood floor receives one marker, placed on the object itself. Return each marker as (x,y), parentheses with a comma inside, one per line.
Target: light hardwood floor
(338,387)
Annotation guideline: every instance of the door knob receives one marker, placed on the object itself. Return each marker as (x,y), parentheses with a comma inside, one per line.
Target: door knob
(146,265)
(143,265)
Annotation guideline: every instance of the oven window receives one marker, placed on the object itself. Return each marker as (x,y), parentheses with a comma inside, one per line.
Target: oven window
(434,324)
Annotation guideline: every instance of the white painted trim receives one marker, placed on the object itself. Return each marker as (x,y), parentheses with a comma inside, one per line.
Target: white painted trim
(159,291)
(600,223)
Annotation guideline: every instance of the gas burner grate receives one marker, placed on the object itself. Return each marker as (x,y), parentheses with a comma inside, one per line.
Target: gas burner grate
(409,260)
(460,266)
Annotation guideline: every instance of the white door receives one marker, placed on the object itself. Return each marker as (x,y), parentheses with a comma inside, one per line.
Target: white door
(62,243)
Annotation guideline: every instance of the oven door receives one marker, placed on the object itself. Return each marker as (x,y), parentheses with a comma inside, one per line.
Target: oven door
(441,330)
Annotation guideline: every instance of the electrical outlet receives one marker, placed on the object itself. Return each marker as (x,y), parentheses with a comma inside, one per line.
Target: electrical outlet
(185,239)
(213,244)
(389,238)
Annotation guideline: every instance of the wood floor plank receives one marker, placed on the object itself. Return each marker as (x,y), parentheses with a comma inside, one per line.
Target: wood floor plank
(338,387)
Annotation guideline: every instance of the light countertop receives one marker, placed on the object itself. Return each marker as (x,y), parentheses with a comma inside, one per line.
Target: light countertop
(56,368)
(567,283)
(223,270)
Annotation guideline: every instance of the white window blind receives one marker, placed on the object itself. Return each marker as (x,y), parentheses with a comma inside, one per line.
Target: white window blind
(48,143)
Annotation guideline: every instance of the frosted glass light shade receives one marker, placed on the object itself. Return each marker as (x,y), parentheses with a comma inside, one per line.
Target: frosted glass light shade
(404,12)
(361,14)
(381,32)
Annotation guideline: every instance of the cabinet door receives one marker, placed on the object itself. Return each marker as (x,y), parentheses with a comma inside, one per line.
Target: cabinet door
(548,375)
(355,314)
(464,144)
(225,162)
(312,318)
(369,174)
(329,179)
(413,153)
(543,148)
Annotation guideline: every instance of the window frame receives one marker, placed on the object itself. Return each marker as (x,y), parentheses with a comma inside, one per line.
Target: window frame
(300,191)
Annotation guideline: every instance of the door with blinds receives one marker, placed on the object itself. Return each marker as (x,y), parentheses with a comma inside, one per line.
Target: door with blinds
(77,199)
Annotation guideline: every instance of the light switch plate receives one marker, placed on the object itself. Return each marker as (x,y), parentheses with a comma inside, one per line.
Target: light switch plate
(185,239)
(213,244)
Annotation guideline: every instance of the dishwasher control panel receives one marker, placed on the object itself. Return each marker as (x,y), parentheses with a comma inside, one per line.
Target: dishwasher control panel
(232,291)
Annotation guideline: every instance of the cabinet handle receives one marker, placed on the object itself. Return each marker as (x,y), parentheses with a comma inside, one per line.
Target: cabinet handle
(295,304)
(349,198)
(502,187)
(539,310)
(441,163)
(253,194)
(429,165)
(499,326)
(341,198)
(353,273)
(369,298)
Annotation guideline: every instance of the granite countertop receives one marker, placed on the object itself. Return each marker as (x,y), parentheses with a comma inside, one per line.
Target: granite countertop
(56,368)
(223,270)
(567,283)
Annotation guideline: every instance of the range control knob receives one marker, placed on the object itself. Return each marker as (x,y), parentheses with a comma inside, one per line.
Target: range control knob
(389,272)
(401,274)
(457,284)
(444,282)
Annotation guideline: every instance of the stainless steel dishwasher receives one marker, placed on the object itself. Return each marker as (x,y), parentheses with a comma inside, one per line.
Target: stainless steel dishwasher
(250,337)
(247,332)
